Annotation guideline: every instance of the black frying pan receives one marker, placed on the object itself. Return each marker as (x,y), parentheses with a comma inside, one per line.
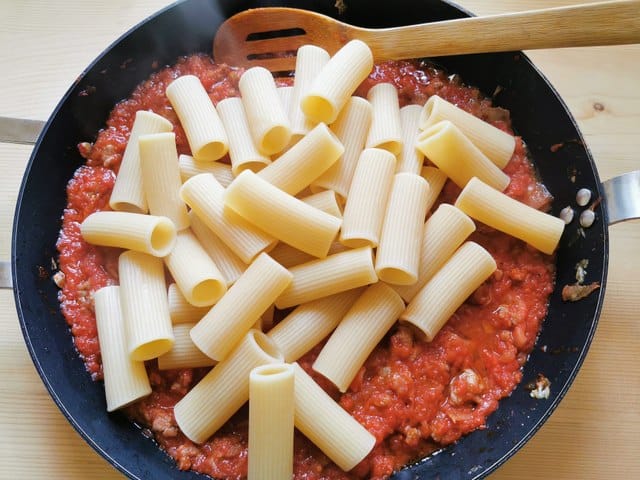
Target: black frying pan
(538,115)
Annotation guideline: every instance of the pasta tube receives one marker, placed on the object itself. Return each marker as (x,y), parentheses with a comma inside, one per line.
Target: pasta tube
(334,274)
(327,424)
(464,272)
(493,208)
(205,195)
(398,255)
(196,275)
(145,307)
(295,169)
(325,201)
(180,310)
(281,215)
(493,142)
(190,167)
(443,233)
(125,380)
(206,134)
(271,410)
(453,153)
(410,159)
(286,97)
(133,231)
(230,319)
(436,178)
(242,151)
(362,328)
(310,323)
(351,128)
(385,131)
(268,121)
(288,257)
(161,177)
(208,405)
(184,353)
(336,82)
(128,192)
(367,200)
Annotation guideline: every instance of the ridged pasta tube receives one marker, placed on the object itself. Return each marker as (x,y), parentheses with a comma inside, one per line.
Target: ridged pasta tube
(410,159)
(184,353)
(190,167)
(385,131)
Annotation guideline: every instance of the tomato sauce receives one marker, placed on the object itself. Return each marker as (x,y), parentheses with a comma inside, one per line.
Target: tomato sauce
(414,396)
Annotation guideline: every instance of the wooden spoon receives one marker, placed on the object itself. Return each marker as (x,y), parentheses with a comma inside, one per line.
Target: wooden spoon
(270,37)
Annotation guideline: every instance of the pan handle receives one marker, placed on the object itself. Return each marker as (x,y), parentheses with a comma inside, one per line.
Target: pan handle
(622,197)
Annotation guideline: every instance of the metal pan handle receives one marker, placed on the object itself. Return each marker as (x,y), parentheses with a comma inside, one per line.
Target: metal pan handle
(622,197)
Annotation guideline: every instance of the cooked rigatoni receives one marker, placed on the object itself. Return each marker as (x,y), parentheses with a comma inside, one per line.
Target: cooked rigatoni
(190,167)
(145,307)
(334,274)
(180,310)
(196,275)
(184,353)
(227,262)
(443,233)
(310,323)
(451,151)
(204,195)
(367,200)
(310,60)
(281,215)
(295,169)
(208,405)
(205,133)
(125,380)
(268,121)
(436,178)
(362,328)
(493,142)
(463,273)
(325,201)
(286,97)
(287,256)
(236,312)
(242,151)
(161,177)
(271,409)
(351,128)
(398,254)
(133,231)
(328,425)
(337,81)
(410,159)
(128,193)
(493,208)
(385,131)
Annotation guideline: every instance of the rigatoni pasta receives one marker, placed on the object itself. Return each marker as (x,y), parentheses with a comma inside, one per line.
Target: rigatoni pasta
(196,275)
(125,380)
(367,201)
(493,208)
(327,425)
(213,400)
(310,323)
(436,179)
(448,148)
(336,273)
(206,134)
(271,410)
(161,177)
(190,167)
(337,81)
(362,328)
(434,304)
(184,353)
(128,192)
(288,257)
(230,319)
(180,310)
(268,121)
(410,159)
(145,307)
(325,201)
(281,215)
(398,254)
(133,231)
(385,131)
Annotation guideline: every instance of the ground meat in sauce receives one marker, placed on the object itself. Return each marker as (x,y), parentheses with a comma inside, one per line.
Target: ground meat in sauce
(412,395)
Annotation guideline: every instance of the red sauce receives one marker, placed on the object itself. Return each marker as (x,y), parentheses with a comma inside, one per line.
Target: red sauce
(414,396)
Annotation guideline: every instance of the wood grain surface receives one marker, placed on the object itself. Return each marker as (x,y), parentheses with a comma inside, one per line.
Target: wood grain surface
(594,434)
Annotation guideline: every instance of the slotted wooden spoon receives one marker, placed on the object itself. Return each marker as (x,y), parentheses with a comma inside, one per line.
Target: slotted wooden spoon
(269,37)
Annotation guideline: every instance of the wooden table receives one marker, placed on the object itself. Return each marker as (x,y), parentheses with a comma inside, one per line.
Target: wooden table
(594,434)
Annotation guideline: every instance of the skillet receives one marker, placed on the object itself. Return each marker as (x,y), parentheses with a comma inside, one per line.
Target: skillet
(189,27)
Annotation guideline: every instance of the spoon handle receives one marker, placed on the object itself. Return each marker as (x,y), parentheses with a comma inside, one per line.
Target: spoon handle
(605,23)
